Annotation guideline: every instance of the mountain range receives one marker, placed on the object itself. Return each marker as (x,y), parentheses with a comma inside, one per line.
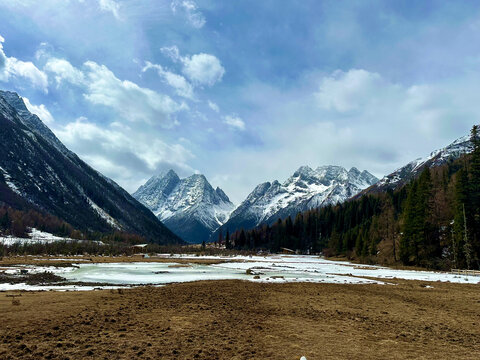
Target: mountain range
(190,207)
(38,171)
(305,189)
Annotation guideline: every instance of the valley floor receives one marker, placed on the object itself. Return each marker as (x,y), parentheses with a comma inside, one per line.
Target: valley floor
(235,319)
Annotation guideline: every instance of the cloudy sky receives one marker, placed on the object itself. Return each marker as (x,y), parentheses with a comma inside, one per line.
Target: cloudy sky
(244,91)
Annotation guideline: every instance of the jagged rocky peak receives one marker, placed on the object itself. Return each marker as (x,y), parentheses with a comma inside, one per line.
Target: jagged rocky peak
(259,190)
(325,175)
(355,172)
(15,101)
(32,121)
(304,171)
(305,189)
(329,173)
(221,194)
(164,182)
(189,206)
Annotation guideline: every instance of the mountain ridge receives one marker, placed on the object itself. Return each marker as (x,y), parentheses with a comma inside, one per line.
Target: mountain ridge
(307,188)
(39,169)
(190,207)
(406,173)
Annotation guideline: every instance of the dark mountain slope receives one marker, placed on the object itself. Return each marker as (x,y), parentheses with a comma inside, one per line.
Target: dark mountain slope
(36,166)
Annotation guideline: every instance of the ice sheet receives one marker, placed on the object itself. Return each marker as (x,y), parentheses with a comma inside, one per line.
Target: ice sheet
(278,269)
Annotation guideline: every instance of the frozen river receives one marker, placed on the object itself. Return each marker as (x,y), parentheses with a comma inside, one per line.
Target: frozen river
(277,269)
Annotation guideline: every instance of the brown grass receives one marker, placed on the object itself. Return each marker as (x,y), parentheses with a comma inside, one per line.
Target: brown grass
(243,320)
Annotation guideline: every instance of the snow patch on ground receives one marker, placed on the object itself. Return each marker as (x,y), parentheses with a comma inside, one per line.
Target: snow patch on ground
(8,181)
(268,269)
(37,237)
(103,214)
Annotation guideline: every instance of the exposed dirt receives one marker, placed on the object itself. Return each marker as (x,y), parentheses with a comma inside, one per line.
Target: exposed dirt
(243,320)
(31,279)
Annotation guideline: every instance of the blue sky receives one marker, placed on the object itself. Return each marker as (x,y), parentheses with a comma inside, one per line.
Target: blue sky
(244,91)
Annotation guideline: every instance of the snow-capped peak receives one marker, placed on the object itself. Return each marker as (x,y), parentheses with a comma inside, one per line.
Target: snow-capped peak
(186,203)
(402,175)
(305,189)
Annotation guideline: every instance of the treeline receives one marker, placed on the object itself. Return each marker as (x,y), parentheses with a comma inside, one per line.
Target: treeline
(18,223)
(97,248)
(433,222)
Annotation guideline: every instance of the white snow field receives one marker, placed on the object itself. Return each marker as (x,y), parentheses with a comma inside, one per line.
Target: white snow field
(37,237)
(278,269)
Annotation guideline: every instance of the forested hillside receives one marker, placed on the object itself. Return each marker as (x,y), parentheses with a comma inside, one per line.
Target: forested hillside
(434,221)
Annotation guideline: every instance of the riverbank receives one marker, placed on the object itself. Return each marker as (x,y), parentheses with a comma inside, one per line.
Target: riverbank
(245,320)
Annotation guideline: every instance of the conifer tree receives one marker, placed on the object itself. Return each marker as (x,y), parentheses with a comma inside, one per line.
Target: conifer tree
(473,204)
(459,225)
(220,237)
(242,240)
(227,240)
(410,227)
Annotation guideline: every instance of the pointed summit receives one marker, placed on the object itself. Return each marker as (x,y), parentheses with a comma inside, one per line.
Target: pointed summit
(305,189)
(414,168)
(190,207)
(170,174)
(32,121)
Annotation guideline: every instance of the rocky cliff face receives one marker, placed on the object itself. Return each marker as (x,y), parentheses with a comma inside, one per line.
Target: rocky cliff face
(305,189)
(190,207)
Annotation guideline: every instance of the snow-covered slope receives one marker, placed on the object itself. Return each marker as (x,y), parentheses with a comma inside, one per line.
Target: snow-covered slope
(305,189)
(190,207)
(37,171)
(439,157)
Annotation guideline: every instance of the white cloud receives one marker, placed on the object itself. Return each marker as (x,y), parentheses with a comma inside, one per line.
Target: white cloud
(3,57)
(179,83)
(63,70)
(213,106)
(384,126)
(110,6)
(203,69)
(235,122)
(190,10)
(348,91)
(27,70)
(40,110)
(121,153)
(129,100)
(11,67)
(172,52)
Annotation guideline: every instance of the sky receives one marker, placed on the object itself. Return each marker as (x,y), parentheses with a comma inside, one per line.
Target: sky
(244,91)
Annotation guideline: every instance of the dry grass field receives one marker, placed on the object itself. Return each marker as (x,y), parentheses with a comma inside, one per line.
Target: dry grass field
(244,320)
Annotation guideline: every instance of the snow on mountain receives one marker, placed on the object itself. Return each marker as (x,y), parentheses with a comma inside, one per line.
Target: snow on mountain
(439,157)
(305,189)
(32,121)
(190,207)
(37,171)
